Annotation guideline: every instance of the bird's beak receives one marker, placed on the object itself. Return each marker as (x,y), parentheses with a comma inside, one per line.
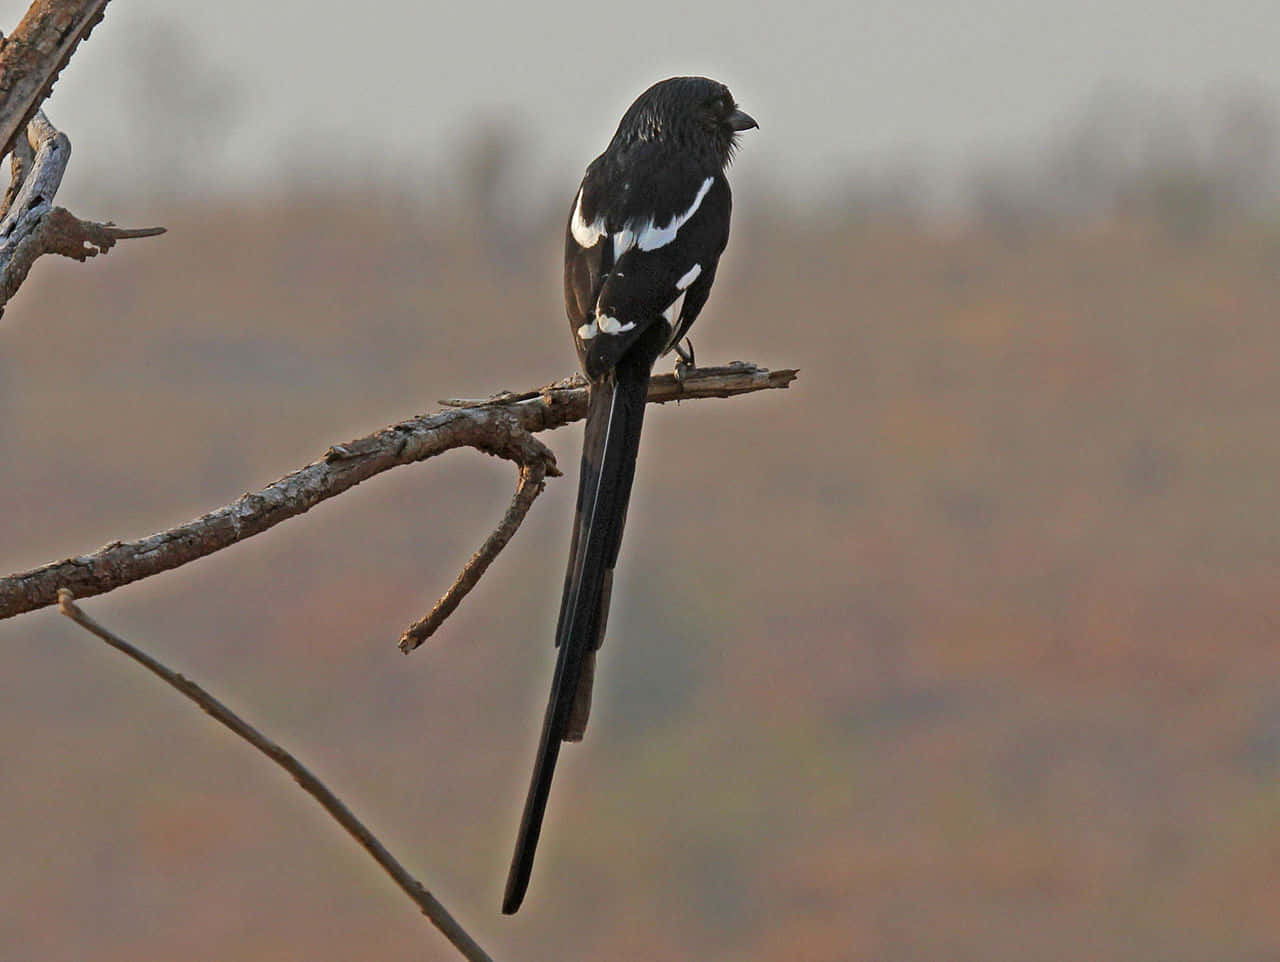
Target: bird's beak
(741,120)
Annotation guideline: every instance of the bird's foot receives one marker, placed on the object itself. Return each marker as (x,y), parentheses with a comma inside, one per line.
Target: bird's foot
(686,365)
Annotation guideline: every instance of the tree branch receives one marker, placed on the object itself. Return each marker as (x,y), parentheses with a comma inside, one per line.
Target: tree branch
(502,426)
(32,57)
(430,906)
(32,226)
(527,488)
(37,175)
(20,164)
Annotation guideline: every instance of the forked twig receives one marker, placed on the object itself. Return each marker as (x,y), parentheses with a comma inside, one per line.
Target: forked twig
(428,903)
(30,226)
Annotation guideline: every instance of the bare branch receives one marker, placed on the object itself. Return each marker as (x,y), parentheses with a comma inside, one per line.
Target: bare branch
(20,165)
(32,226)
(528,487)
(500,428)
(309,783)
(57,231)
(52,151)
(709,380)
(32,57)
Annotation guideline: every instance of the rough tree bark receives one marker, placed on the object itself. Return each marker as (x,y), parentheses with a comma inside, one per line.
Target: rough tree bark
(35,53)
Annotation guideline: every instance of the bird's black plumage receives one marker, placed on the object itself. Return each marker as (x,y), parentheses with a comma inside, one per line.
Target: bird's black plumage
(645,233)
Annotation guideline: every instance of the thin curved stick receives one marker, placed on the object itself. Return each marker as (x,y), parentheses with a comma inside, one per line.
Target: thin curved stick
(528,487)
(427,902)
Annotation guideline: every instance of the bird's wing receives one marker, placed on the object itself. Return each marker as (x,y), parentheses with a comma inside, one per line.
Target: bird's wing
(623,275)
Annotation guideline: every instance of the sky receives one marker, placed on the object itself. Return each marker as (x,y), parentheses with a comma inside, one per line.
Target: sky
(250,89)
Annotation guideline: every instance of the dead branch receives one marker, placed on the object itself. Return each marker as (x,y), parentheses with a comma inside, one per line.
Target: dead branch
(20,162)
(430,906)
(502,426)
(32,57)
(529,487)
(31,225)
(37,172)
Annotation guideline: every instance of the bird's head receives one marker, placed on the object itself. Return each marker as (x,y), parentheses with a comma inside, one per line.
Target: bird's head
(687,113)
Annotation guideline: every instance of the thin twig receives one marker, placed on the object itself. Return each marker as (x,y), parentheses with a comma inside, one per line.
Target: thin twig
(528,487)
(309,783)
(500,429)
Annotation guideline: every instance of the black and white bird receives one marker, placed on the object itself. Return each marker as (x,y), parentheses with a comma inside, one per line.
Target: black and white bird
(645,233)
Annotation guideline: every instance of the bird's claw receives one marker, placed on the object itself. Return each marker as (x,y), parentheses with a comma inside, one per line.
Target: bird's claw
(686,365)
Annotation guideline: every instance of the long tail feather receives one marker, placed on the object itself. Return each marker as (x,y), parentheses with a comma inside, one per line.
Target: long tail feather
(614,418)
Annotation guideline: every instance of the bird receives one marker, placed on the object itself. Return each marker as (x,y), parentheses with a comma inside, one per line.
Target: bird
(645,233)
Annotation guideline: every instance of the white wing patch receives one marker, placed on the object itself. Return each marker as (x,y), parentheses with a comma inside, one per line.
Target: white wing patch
(689,278)
(645,235)
(604,324)
(650,236)
(673,310)
(611,325)
(623,241)
(587,235)
(672,314)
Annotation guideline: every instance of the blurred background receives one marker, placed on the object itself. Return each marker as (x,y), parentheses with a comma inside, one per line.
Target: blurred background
(962,648)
